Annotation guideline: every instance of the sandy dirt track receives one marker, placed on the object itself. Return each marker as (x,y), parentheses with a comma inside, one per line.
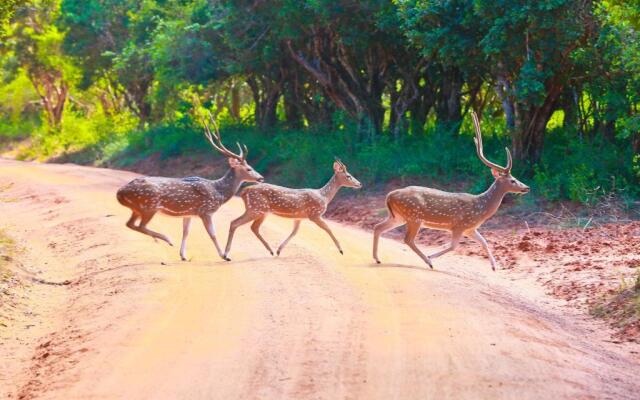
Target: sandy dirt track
(110,314)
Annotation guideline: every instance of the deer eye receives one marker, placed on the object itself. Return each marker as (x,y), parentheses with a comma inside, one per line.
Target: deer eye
(513,181)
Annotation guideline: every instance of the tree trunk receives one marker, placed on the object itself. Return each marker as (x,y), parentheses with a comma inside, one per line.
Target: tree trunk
(266,94)
(569,105)
(234,110)
(355,84)
(530,124)
(269,116)
(292,106)
(53,92)
(503,89)
(448,104)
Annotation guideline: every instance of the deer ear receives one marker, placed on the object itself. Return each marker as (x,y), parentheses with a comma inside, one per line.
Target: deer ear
(495,173)
(233,162)
(337,167)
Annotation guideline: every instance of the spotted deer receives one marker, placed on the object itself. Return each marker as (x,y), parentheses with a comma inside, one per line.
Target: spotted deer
(187,197)
(459,213)
(297,204)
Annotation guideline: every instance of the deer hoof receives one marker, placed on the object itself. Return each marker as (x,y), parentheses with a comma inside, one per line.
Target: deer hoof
(341,252)
(378,262)
(271,252)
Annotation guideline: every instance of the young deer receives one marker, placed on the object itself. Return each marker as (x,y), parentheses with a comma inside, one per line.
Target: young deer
(298,204)
(187,197)
(459,213)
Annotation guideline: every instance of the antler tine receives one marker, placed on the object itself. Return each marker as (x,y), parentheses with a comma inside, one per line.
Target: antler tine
(509,160)
(216,141)
(209,135)
(242,155)
(246,150)
(478,140)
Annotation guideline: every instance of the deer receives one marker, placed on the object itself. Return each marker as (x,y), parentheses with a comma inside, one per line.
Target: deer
(459,213)
(297,204)
(187,197)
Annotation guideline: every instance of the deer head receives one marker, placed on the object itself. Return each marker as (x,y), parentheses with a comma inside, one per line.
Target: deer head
(343,177)
(237,162)
(503,176)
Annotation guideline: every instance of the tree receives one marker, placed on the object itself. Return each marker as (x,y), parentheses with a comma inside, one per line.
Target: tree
(111,41)
(525,49)
(531,47)
(35,45)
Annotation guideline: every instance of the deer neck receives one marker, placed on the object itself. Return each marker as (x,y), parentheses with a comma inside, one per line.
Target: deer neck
(228,185)
(329,190)
(491,199)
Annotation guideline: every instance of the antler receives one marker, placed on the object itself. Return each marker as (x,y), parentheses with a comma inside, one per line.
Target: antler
(478,140)
(216,142)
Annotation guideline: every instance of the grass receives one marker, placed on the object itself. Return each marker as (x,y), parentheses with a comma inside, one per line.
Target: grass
(622,309)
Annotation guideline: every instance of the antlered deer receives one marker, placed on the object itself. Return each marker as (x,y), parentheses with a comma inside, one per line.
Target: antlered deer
(459,213)
(187,197)
(298,204)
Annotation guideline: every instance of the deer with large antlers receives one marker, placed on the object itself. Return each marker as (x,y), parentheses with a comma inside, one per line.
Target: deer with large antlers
(297,204)
(187,197)
(459,213)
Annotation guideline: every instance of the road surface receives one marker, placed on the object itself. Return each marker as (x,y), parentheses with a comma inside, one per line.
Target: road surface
(110,314)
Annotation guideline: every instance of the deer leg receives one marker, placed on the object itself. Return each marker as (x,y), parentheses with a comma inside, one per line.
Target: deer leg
(142,227)
(412,230)
(320,222)
(381,228)
(455,240)
(296,225)
(131,223)
(186,222)
(475,235)
(255,228)
(208,225)
(245,218)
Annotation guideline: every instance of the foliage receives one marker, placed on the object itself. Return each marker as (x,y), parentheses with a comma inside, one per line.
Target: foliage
(387,84)
(7,8)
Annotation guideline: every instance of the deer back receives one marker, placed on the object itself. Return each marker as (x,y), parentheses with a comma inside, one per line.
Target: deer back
(172,196)
(287,202)
(436,208)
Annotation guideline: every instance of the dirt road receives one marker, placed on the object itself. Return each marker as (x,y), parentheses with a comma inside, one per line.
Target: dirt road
(109,314)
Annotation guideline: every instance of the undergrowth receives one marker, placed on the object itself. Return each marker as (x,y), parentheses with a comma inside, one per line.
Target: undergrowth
(623,308)
(570,169)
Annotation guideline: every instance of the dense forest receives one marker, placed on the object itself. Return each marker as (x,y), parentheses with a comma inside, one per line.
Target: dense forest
(386,85)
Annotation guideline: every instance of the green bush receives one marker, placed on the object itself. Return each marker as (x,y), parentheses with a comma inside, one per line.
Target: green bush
(580,171)
(304,157)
